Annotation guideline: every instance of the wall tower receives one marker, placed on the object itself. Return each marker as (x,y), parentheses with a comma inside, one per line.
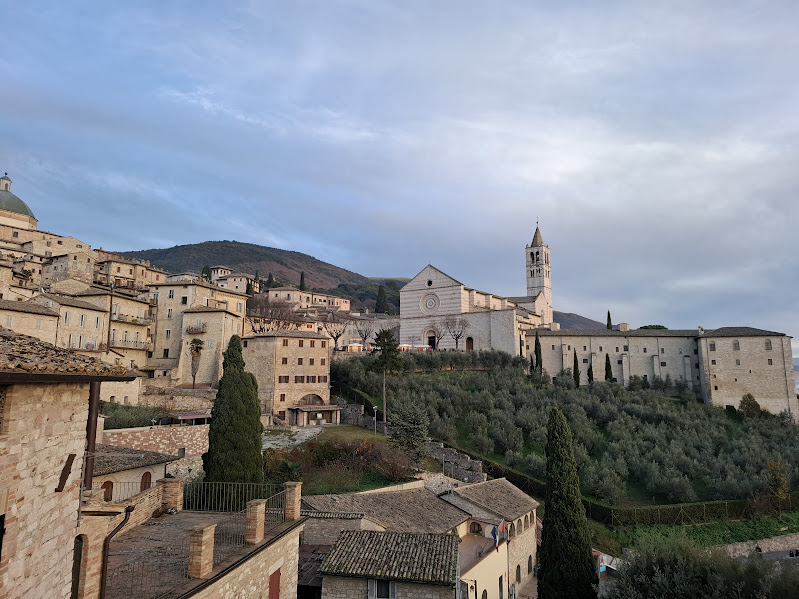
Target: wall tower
(538,274)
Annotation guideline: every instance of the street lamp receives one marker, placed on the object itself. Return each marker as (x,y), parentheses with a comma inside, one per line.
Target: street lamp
(375,418)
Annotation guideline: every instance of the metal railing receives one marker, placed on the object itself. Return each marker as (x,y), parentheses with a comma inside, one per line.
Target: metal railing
(118,492)
(227,497)
(131,319)
(229,536)
(127,344)
(195,329)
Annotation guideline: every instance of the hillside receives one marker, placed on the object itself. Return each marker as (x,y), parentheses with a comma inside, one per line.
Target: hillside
(284,265)
(567,320)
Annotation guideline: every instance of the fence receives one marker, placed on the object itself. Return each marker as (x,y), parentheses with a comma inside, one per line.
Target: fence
(122,491)
(225,497)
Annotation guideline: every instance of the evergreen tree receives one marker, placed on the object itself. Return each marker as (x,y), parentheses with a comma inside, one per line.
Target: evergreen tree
(387,360)
(206,273)
(270,281)
(381,304)
(234,437)
(409,424)
(250,290)
(257,278)
(538,363)
(302,282)
(576,370)
(610,322)
(749,406)
(567,566)
(590,371)
(532,364)
(608,369)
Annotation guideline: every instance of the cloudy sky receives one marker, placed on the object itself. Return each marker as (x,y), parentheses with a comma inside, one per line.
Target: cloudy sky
(656,142)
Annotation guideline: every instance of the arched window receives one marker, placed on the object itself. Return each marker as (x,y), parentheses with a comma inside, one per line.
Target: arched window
(537,257)
(475,528)
(485,594)
(529,564)
(146,480)
(518,573)
(469,344)
(511,531)
(526,522)
(108,490)
(519,526)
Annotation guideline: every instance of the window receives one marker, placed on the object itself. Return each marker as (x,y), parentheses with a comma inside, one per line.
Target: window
(644,350)
(282,397)
(585,360)
(299,361)
(713,362)
(300,343)
(626,348)
(313,343)
(600,348)
(768,344)
(485,594)
(97,322)
(712,346)
(15,234)
(324,343)
(737,362)
(38,323)
(184,300)
(696,365)
(282,379)
(169,312)
(166,353)
(9,320)
(715,387)
(662,363)
(475,528)
(620,362)
(323,379)
(529,564)
(285,342)
(518,574)
(662,350)
(284,361)
(736,345)
(168,333)
(244,343)
(322,361)
(299,379)
(501,587)
(381,589)
(171,293)
(770,362)
(239,307)
(82,320)
(585,348)
(553,348)
(311,378)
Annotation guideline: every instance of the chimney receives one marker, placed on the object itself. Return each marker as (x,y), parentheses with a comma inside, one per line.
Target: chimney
(554,326)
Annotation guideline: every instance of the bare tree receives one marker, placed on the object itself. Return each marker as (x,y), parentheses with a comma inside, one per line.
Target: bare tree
(439,330)
(414,340)
(265,314)
(456,326)
(196,347)
(365,328)
(335,325)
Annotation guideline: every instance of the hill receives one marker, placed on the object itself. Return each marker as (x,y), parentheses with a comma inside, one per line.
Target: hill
(567,320)
(284,265)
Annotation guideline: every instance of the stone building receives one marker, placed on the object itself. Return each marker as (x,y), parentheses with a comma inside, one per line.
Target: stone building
(293,373)
(308,299)
(45,397)
(122,472)
(28,318)
(189,310)
(82,325)
(119,272)
(719,365)
(13,211)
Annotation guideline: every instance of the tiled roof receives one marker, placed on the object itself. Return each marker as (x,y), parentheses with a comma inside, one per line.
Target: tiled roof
(27,307)
(720,332)
(426,558)
(23,354)
(67,300)
(112,458)
(197,309)
(198,283)
(498,496)
(417,510)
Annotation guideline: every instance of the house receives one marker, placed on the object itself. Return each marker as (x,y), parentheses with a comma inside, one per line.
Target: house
(28,318)
(122,472)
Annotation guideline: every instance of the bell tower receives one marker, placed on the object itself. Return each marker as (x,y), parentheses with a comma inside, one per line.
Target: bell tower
(538,274)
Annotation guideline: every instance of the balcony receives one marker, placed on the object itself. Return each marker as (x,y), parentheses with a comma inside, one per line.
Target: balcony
(197,329)
(131,319)
(126,344)
(98,347)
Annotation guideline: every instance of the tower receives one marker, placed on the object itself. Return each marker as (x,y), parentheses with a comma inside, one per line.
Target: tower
(538,275)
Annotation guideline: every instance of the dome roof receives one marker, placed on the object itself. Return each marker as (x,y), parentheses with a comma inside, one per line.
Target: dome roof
(11,203)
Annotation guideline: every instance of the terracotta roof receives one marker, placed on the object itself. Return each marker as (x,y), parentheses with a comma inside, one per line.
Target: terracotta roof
(112,458)
(198,309)
(499,496)
(426,558)
(21,354)
(27,307)
(68,300)
(417,510)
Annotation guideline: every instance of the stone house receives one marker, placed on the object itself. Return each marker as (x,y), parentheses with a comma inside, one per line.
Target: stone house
(468,513)
(237,281)
(123,273)
(28,318)
(387,565)
(82,325)
(122,472)
(307,299)
(719,365)
(77,265)
(293,373)
(46,394)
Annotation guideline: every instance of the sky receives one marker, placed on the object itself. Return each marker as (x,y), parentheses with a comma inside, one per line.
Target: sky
(657,143)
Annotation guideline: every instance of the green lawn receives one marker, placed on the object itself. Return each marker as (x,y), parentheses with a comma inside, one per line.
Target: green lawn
(345,432)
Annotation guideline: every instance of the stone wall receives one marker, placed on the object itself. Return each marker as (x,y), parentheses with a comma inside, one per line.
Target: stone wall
(163,439)
(341,587)
(177,399)
(250,580)
(456,464)
(521,553)
(782,543)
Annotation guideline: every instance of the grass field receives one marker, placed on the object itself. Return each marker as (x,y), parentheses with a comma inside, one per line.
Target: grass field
(346,432)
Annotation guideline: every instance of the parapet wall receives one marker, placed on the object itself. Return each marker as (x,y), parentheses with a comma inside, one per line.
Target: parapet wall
(456,464)
(163,439)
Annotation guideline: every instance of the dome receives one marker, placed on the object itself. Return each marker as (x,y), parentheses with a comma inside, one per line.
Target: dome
(11,203)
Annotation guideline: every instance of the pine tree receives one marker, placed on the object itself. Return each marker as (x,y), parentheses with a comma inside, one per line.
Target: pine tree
(576,370)
(270,281)
(302,282)
(234,437)
(538,363)
(608,369)
(250,290)
(590,371)
(610,322)
(381,304)
(567,565)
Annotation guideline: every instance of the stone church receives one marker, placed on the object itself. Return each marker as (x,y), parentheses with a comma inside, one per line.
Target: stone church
(719,365)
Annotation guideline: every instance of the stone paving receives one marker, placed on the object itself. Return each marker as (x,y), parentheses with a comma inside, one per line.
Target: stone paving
(284,440)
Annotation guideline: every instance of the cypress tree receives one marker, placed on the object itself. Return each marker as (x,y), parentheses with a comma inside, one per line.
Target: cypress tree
(234,437)
(250,290)
(532,364)
(302,282)
(381,304)
(608,369)
(206,273)
(576,370)
(270,281)
(610,322)
(538,364)
(567,566)
(590,371)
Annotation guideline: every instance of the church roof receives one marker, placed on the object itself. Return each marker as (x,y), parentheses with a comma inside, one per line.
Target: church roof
(11,203)
(537,239)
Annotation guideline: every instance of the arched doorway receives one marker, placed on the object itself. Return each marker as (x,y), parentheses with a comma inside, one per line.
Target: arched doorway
(108,490)
(146,481)
(469,344)
(431,341)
